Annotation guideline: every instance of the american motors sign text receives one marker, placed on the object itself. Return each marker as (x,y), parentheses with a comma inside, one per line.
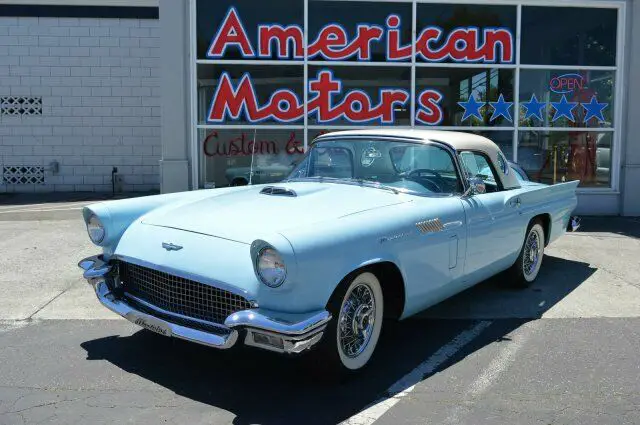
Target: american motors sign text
(327,101)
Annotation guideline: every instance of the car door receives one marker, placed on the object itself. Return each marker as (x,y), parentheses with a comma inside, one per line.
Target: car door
(492,220)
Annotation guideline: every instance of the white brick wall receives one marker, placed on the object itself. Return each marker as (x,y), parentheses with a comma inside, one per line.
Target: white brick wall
(99,82)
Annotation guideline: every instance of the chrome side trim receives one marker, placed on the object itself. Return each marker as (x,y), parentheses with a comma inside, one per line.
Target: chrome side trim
(280,323)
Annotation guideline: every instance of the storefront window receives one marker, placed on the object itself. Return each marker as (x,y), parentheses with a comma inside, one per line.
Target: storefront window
(346,95)
(466,33)
(504,140)
(248,29)
(383,28)
(250,94)
(365,68)
(464,97)
(236,157)
(568,36)
(559,156)
(552,98)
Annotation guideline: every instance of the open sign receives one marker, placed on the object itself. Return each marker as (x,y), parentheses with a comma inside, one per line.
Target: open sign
(566,83)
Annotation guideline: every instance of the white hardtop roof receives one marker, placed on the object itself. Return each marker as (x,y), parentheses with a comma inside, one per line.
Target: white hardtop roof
(457,139)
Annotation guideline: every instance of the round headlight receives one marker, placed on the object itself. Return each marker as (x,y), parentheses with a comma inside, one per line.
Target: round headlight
(95,229)
(271,268)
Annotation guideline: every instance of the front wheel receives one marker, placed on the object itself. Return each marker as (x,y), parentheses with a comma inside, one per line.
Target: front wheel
(526,268)
(351,337)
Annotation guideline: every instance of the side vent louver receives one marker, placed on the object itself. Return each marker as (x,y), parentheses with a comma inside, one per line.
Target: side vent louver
(278,191)
(430,226)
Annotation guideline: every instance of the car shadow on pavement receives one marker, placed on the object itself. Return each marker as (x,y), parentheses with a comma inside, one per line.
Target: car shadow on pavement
(267,388)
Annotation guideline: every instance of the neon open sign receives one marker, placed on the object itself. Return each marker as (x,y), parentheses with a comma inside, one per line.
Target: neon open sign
(566,83)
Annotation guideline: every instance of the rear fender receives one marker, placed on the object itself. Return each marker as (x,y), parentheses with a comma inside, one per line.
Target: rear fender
(558,201)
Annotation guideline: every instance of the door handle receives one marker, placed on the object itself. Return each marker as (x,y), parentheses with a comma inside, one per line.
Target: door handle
(516,203)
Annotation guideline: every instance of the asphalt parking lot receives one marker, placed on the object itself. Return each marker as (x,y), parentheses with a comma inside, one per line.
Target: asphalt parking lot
(565,351)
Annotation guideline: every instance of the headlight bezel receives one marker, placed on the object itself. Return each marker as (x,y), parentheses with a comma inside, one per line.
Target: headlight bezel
(94,220)
(260,255)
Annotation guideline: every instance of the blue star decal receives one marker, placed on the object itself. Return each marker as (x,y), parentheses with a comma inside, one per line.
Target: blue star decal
(594,109)
(501,108)
(534,108)
(471,108)
(564,109)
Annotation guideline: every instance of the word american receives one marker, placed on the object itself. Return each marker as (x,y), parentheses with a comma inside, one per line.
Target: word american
(462,44)
(236,101)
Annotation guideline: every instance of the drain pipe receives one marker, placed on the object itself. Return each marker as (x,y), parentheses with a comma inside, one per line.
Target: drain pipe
(113,181)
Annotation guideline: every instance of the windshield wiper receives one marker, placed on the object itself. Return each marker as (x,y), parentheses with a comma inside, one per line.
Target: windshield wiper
(376,185)
(362,182)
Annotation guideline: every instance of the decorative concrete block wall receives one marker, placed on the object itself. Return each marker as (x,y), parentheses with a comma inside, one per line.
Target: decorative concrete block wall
(83,93)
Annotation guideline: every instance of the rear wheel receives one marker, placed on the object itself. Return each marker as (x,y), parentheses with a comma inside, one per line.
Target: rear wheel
(526,268)
(352,335)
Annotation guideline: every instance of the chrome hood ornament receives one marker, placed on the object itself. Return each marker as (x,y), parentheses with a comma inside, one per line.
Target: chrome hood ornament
(171,247)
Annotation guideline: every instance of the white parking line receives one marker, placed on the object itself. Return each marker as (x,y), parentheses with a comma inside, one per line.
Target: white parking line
(488,376)
(407,383)
(40,210)
(45,205)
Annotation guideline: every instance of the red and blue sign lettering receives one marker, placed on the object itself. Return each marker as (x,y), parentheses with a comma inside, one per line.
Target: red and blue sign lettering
(332,43)
(328,102)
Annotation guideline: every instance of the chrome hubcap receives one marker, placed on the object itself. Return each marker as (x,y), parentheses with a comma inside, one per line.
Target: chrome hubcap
(356,321)
(532,253)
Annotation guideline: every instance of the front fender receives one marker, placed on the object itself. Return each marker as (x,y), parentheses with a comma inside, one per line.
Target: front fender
(117,215)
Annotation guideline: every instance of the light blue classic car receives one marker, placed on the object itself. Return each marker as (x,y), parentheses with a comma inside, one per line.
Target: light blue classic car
(372,224)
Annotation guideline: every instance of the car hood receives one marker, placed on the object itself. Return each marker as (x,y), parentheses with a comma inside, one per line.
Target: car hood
(243,214)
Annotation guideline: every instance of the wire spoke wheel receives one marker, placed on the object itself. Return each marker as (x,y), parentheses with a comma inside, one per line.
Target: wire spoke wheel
(357,320)
(358,309)
(533,251)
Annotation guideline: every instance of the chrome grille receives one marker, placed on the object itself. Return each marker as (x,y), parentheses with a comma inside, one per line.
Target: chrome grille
(178,295)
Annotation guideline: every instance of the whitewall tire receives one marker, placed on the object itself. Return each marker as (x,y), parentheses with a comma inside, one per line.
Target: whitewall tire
(527,267)
(357,309)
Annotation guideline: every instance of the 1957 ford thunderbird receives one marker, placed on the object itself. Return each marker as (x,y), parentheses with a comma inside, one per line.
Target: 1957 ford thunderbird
(372,224)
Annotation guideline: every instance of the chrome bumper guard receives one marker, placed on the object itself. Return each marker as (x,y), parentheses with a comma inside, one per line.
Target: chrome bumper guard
(280,332)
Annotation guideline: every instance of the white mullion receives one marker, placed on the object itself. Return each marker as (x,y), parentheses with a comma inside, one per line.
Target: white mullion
(571,129)
(249,126)
(305,77)
(550,3)
(414,38)
(359,63)
(464,65)
(197,165)
(454,128)
(569,67)
(249,62)
(516,88)
(620,95)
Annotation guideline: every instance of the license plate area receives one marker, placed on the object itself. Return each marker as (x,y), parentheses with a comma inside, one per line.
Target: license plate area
(149,323)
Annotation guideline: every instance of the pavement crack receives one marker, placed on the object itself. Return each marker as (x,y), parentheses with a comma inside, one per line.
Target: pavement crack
(46,304)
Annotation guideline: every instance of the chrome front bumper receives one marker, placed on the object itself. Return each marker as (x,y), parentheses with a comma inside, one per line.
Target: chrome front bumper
(280,332)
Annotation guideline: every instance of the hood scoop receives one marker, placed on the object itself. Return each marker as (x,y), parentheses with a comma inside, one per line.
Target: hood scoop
(278,191)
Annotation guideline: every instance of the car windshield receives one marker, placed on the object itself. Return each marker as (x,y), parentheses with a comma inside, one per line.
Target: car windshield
(419,168)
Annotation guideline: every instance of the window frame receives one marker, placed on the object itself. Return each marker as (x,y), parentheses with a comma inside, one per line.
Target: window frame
(619,100)
(496,176)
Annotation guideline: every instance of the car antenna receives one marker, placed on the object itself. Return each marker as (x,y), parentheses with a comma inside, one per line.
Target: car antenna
(253,150)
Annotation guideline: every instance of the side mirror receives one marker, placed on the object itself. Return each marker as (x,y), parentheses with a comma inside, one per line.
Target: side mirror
(476,186)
